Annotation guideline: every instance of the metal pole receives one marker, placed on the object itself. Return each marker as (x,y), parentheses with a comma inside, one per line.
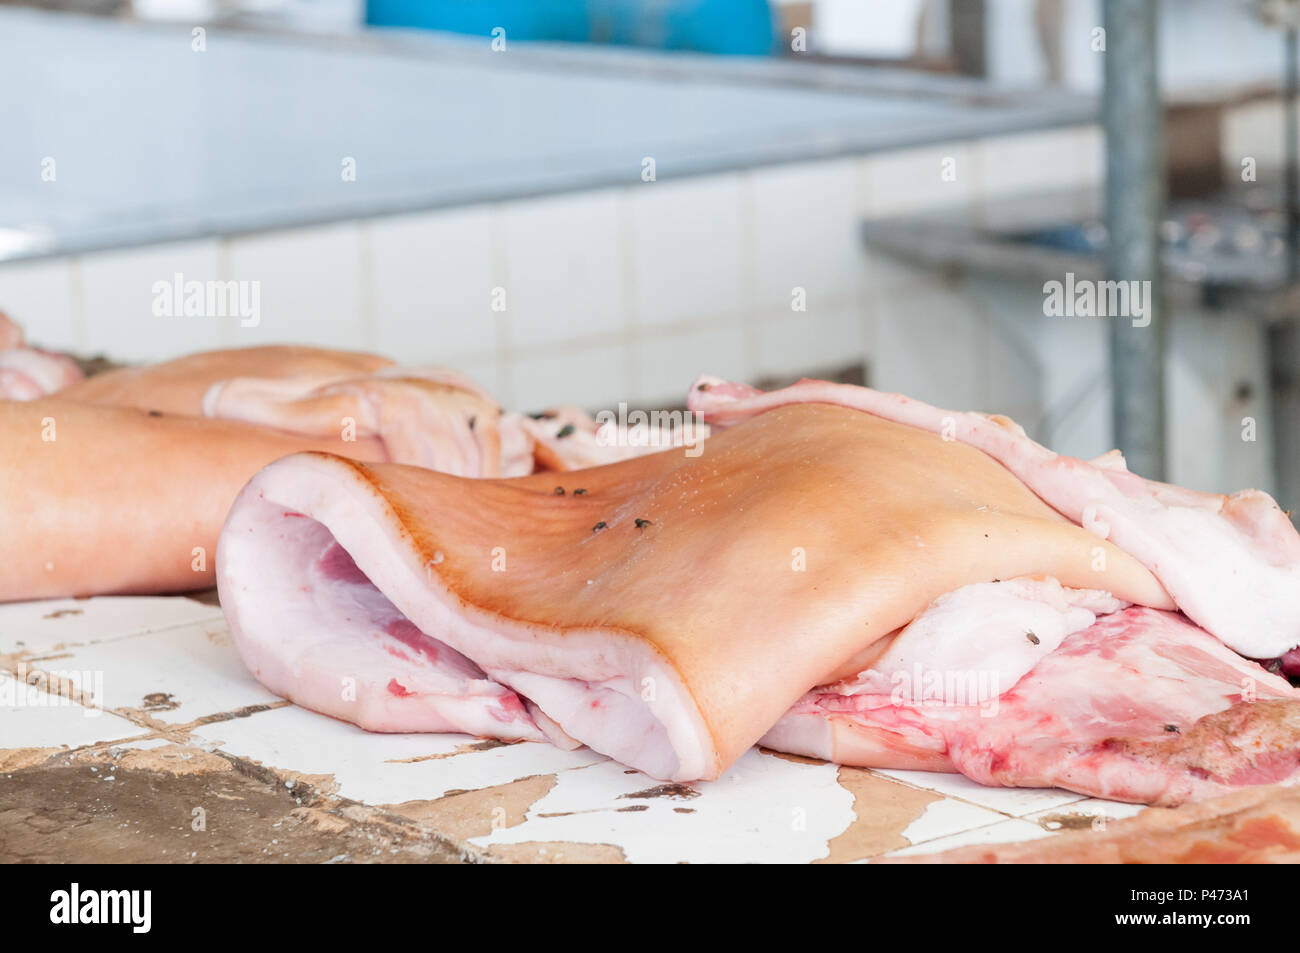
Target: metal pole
(1135,193)
(1292,85)
(966,20)
(1284,337)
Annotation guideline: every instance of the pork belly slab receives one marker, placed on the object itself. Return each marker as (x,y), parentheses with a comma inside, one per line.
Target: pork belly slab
(1231,563)
(667,615)
(888,588)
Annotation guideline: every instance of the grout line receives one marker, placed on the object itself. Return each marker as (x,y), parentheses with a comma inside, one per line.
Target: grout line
(500,277)
(77,303)
(625,223)
(957,797)
(366,296)
(931,840)
(62,646)
(224,273)
(747,214)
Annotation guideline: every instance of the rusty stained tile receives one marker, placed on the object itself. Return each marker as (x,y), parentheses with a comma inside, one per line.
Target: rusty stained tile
(557,852)
(466,814)
(675,791)
(882,810)
(15,759)
(485,744)
(383,768)
(174,760)
(156,806)
(1089,814)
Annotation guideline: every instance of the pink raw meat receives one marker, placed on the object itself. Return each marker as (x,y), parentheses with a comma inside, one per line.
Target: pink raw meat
(1141,706)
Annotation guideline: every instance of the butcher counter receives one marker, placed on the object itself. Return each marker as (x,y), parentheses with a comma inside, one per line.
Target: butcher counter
(131,732)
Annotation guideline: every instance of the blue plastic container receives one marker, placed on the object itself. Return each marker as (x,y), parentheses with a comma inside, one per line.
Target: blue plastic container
(710,26)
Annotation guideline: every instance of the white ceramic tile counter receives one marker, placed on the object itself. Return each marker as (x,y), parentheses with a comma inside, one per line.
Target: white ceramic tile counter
(162,673)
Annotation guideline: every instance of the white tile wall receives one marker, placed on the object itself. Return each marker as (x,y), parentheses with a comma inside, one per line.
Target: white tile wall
(910,180)
(490,373)
(431,280)
(1012,373)
(668,363)
(1014,369)
(1039,161)
(563,275)
(806,222)
(821,339)
(117,302)
(311,286)
(931,344)
(887,274)
(593,377)
(689,248)
(39,295)
(1076,386)
(627,293)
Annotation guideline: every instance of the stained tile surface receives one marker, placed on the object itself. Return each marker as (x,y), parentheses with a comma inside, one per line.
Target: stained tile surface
(164,691)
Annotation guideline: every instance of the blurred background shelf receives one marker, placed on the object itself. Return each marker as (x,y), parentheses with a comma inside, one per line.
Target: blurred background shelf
(161,142)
